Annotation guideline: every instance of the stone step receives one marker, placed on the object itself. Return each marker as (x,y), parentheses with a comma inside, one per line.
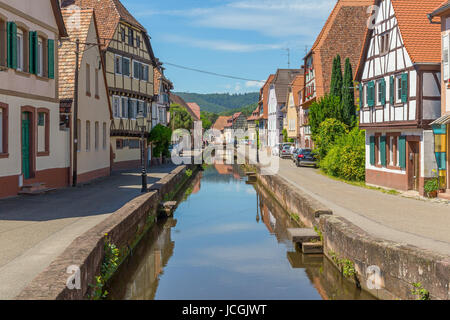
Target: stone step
(312,247)
(445,196)
(301,235)
(299,260)
(35,192)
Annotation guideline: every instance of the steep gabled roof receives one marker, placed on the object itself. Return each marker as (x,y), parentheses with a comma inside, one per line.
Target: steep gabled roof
(297,85)
(422,39)
(282,80)
(179,101)
(195,108)
(221,122)
(66,54)
(109,13)
(59,19)
(265,94)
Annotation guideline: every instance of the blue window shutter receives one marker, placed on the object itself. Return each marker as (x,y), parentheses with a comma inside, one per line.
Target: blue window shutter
(51,59)
(372,150)
(404,87)
(383,150)
(402,151)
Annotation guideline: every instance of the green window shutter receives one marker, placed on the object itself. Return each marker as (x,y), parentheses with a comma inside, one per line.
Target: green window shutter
(361,96)
(383,150)
(371,89)
(391,91)
(51,59)
(383,91)
(402,151)
(404,87)
(33,40)
(12,45)
(372,150)
(8,45)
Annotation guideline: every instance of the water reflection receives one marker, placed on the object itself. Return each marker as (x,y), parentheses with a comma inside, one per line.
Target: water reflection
(229,242)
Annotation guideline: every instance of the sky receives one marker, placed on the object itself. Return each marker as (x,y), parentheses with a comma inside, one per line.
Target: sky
(241,38)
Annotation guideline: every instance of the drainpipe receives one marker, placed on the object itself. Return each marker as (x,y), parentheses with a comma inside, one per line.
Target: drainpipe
(75,117)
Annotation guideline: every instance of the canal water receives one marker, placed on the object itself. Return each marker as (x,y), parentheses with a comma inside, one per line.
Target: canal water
(227,240)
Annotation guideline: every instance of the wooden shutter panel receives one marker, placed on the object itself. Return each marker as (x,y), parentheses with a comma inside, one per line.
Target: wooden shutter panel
(383,150)
(371,89)
(361,98)
(391,91)
(51,59)
(12,45)
(383,91)
(33,58)
(402,151)
(372,150)
(8,45)
(404,87)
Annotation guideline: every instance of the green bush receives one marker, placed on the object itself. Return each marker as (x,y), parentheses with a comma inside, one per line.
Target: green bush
(329,132)
(346,158)
(160,136)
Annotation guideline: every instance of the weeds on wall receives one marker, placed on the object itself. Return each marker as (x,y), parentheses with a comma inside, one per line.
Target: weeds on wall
(419,292)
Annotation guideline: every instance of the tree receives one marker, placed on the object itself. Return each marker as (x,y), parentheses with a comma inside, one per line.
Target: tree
(337,89)
(348,96)
(333,77)
(180,118)
(325,108)
(329,132)
(208,119)
(160,137)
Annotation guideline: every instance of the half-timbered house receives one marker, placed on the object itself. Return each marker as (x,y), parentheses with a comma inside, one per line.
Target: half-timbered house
(400,94)
(33,155)
(130,63)
(343,34)
(441,127)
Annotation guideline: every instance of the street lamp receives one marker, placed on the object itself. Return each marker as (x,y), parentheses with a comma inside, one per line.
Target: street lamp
(141,124)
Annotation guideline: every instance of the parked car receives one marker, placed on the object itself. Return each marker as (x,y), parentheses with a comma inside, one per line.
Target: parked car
(306,157)
(285,152)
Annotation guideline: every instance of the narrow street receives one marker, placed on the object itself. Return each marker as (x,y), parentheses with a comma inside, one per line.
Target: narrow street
(423,224)
(52,221)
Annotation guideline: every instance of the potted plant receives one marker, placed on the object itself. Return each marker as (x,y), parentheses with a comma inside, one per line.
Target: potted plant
(432,187)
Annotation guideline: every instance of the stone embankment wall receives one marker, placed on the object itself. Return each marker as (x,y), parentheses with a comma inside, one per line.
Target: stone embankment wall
(122,228)
(391,267)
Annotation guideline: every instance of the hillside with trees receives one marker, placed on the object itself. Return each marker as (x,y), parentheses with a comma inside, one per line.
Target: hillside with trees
(220,102)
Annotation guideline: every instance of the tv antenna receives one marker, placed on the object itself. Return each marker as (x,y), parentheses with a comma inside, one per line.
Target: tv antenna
(289,57)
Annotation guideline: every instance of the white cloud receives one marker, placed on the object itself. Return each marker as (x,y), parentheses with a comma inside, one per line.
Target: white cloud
(220,45)
(254,84)
(281,18)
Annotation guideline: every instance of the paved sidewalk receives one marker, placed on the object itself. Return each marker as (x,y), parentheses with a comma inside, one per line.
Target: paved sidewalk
(424,224)
(34,230)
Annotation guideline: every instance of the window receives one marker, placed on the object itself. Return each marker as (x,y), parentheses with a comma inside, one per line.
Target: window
(397,151)
(379,93)
(96,84)
(140,110)
(138,41)
(20,47)
(134,144)
(130,37)
(122,34)
(116,107)
(125,108)
(88,135)
(88,79)
(96,133)
(40,58)
(79,135)
(445,56)
(133,109)
(399,89)
(136,70)
(126,66)
(104,135)
(119,144)
(391,151)
(384,43)
(43,132)
(118,64)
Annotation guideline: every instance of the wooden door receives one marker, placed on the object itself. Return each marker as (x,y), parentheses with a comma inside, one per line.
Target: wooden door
(26,146)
